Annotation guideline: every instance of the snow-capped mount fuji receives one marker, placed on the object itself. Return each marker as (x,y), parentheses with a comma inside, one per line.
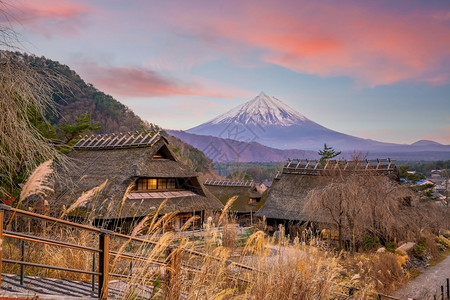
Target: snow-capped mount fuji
(263,110)
(267,120)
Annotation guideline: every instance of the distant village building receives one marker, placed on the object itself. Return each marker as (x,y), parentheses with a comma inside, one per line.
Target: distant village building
(140,173)
(287,195)
(249,196)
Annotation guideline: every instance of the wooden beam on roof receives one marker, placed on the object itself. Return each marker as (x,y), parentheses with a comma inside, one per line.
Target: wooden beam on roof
(317,164)
(135,140)
(118,143)
(307,164)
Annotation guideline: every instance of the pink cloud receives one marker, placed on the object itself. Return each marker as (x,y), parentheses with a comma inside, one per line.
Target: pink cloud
(48,17)
(375,45)
(138,82)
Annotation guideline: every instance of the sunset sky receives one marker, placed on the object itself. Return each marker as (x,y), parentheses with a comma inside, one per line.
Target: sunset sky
(374,69)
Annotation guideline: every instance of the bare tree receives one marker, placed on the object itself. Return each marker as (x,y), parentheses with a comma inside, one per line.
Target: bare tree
(357,204)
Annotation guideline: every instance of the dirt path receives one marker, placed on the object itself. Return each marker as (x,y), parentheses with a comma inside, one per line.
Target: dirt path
(428,283)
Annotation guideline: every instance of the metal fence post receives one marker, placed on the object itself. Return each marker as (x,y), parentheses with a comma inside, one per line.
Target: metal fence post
(2,214)
(93,270)
(22,258)
(103,264)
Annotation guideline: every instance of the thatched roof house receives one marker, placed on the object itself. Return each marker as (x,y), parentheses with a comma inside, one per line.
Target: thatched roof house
(249,194)
(288,192)
(139,163)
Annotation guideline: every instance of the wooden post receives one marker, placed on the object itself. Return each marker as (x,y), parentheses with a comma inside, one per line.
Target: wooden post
(448,289)
(103,280)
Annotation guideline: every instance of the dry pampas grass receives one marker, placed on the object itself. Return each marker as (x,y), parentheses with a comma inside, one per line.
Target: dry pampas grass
(85,198)
(38,183)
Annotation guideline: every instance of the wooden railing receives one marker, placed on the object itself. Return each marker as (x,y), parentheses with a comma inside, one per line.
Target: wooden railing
(103,250)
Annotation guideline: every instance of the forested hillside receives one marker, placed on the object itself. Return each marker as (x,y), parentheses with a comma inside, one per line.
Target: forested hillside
(74,98)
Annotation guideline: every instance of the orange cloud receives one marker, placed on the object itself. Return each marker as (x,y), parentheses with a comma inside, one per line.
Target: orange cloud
(137,82)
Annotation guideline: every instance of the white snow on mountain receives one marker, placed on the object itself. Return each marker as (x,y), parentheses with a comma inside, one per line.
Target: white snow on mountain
(262,110)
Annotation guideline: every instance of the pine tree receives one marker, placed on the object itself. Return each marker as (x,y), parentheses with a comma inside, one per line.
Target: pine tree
(327,153)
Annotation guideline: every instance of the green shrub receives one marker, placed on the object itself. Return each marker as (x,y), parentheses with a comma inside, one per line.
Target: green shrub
(370,242)
(420,248)
(391,246)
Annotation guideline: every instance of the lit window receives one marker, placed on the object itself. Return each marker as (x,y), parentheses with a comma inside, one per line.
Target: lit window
(152,184)
(144,184)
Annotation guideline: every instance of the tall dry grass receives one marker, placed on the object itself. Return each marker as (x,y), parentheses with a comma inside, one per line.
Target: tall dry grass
(169,267)
(283,270)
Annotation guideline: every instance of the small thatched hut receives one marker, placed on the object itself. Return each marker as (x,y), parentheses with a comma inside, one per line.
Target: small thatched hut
(249,196)
(140,172)
(287,195)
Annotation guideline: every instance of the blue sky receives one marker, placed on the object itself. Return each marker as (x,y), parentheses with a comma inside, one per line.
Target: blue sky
(370,69)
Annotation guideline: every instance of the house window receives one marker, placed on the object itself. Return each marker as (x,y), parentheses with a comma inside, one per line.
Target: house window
(141,185)
(162,184)
(152,184)
(171,183)
(145,184)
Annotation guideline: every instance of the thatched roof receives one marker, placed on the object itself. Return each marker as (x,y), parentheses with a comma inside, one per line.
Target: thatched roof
(121,166)
(242,190)
(287,195)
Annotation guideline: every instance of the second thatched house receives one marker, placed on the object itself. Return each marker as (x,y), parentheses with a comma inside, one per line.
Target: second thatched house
(287,195)
(249,197)
(136,172)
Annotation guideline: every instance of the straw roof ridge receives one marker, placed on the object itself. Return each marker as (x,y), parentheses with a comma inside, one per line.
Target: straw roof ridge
(121,140)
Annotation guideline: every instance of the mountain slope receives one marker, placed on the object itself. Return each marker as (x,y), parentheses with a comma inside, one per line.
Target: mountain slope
(226,150)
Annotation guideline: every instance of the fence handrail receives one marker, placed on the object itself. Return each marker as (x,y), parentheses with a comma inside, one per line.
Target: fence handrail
(38,239)
(48,218)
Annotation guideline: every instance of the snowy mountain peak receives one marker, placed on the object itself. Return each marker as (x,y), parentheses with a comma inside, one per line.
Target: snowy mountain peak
(262,110)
